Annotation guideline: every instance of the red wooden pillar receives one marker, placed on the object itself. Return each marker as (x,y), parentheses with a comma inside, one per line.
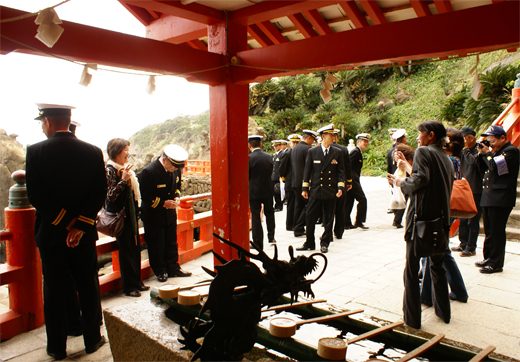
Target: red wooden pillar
(229,157)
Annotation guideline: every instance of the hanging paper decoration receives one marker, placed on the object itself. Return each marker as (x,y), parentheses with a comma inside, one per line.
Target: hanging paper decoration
(325,95)
(150,87)
(327,86)
(477,86)
(48,31)
(86,77)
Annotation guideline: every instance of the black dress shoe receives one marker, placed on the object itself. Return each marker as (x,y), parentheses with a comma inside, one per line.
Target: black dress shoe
(324,249)
(180,273)
(337,237)
(299,233)
(488,269)
(162,278)
(482,263)
(144,288)
(272,241)
(397,226)
(305,247)
(348,227)
(360,225)
(456,248)
(94,348)
(133,293)
(57,356)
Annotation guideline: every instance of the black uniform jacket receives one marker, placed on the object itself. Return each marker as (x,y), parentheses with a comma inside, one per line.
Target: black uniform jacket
(275,175)
(500,191)
(65,179)
(430,183)
(286,169)
(260,169)
(356,162)
(324,176)
(298,156)
(390,165)
(471,168)
(156,186)
(346,160)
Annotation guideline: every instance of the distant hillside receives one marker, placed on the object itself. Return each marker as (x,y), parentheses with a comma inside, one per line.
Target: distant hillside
(190,132)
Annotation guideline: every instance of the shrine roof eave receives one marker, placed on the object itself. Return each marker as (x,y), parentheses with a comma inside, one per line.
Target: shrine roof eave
(87,44)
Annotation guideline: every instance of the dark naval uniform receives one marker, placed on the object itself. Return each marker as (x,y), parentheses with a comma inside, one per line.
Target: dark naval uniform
(160,224)
(261,192)
(275,179)
(356,161)
(287,176)
(339,215)
(498,199)
(66,180)
(323,177)
(298,156)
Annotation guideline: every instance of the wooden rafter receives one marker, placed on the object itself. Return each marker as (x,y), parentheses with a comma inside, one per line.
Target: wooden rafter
(197,44)
(421,8)
(259,35)
(443,6)
(139,13)
(374,11)
(317,21)
(303,25)
(272,32)
(154,14)
(355,15)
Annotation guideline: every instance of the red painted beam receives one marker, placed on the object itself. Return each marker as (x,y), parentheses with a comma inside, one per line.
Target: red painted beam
(317,21)
(139,13)
(272,32)
(197,44)
(420,38)
(374,11)
(259,35)
(443,6)
(93,45)
(355,15)
(196,12)
(303,25)
(176,30)
(272,9)
(421,8)
(156,15)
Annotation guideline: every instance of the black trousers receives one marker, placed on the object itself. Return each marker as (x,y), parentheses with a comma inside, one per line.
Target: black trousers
(300,211)
(256,224)
(278,204)
(162,246)
(339,215)
(356,193)
(59,265)
(129,259)
(412,295)
(320,208)
(469,228)
(289,220)
(495,220)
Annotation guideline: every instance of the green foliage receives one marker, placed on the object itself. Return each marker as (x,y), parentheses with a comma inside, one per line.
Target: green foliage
(453,109)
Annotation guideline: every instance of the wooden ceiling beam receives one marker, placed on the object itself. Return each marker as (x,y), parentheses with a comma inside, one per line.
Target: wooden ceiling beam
(194,12)
(421,8)
(374,11)
(303,25)
(259,35)
(272,9)
(414,39)
(272,32)
(139,13)
(197,44)
(154,14)
(87,44)
(355,15)
(317,21)
(176,30)
(443,6)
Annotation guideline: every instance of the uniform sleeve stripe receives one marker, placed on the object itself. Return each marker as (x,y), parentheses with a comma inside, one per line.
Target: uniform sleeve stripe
(86,219)
(59,217)
(156,202)
(349,180)
(341,184)
(305,184)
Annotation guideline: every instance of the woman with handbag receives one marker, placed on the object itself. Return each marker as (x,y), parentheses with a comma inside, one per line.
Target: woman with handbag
(123,193)
(427,221)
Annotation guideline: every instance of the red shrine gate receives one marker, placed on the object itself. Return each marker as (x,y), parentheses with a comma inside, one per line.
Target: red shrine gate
(229,44)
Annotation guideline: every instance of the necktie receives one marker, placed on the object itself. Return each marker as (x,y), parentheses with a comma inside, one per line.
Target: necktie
(326,152)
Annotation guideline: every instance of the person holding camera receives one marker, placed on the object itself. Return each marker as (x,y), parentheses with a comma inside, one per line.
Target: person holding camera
(498,195)
(469,228)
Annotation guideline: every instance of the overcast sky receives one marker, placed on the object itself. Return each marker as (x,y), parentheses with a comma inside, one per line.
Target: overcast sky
(113,105)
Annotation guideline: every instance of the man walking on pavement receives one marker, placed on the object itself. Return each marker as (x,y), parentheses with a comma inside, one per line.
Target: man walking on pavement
(469,161)
(339,215)
(260,191)
(356,161)
(287,176)
(275,175)
(323,183)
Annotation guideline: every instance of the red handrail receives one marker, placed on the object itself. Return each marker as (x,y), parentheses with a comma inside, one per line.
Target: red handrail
(198,167)
(511,123)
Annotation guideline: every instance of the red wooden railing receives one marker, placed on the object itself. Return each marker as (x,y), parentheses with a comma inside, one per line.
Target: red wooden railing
(23,268)
(197,167)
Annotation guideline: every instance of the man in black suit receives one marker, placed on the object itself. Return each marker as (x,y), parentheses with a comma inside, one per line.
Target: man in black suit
(298,156)
(356,161)
(260,191)
(66,183)
(339,215)
(275,175)
(323,183)
(160,187)
(498,195)
(287,177)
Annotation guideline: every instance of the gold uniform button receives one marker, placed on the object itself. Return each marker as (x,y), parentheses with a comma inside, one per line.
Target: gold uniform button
(321,178)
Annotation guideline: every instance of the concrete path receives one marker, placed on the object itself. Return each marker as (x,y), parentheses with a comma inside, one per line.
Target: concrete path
(365,271)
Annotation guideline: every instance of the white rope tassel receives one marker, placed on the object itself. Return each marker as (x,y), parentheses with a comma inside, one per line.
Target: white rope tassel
(150,87)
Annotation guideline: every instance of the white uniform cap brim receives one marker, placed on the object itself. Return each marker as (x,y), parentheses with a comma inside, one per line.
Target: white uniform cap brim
(176,153)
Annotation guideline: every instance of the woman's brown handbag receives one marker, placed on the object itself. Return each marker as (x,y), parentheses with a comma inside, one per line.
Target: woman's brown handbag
(462,204)
(110,223)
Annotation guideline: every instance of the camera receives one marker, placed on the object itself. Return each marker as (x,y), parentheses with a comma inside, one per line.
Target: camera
(481,144)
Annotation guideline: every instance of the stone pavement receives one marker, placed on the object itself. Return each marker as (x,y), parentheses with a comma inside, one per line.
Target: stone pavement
(365,271)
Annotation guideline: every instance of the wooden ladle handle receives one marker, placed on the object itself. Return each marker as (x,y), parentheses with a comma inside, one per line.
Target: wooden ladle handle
(294,305)
(375,332)
(329,317)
